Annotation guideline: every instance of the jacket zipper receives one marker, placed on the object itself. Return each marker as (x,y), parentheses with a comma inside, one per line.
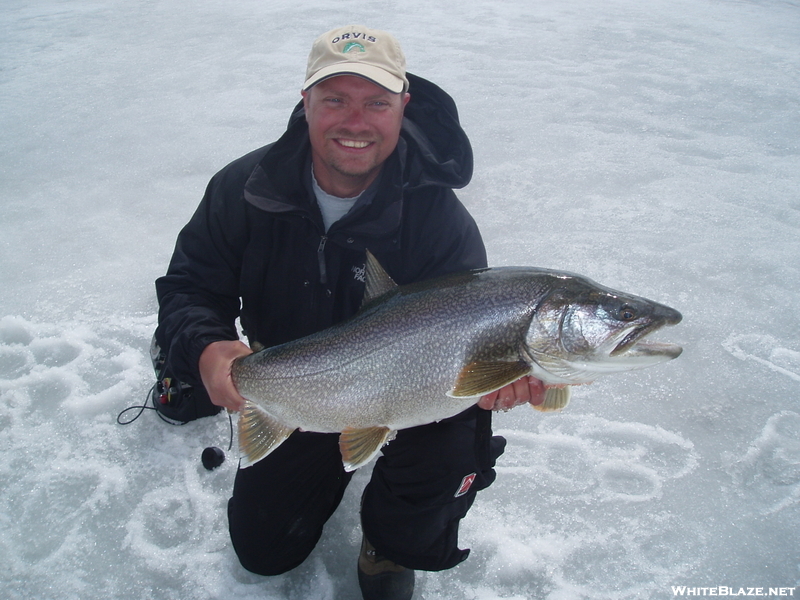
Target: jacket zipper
(323,272)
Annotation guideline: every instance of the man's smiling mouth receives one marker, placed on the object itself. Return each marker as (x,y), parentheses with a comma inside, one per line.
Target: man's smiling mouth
(353,143)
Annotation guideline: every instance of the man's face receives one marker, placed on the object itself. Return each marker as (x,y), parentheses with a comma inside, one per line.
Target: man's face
(354,126)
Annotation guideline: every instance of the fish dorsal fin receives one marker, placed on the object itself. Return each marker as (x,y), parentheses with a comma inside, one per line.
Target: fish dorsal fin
(555,398)
(358,446)
(259,434)
(482,377)
(378,281)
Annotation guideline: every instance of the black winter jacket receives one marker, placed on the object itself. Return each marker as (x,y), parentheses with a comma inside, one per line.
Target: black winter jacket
(256,247)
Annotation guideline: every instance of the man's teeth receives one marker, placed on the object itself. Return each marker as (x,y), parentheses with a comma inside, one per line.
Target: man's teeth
(353,144)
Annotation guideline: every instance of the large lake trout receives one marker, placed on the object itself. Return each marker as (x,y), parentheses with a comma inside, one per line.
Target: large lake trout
(420,353)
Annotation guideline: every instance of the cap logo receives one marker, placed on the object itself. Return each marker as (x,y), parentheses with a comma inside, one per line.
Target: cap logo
(355,36)
(353,47)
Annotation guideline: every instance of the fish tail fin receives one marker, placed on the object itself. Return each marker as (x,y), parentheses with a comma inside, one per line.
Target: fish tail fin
(259,434)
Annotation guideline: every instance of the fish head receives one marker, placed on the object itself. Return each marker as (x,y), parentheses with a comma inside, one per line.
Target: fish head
(581,330)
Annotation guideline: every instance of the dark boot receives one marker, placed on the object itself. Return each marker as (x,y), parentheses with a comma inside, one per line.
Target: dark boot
(380,578)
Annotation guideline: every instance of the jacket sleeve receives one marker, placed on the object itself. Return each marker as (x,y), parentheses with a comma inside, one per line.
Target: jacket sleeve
(199,296)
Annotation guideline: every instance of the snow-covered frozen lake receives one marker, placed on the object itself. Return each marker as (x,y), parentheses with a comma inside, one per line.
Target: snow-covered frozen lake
(652,146)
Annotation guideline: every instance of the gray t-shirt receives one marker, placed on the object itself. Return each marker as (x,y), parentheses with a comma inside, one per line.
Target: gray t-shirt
(332,208)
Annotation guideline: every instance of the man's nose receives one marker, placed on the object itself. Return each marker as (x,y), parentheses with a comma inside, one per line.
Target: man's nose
(355,118)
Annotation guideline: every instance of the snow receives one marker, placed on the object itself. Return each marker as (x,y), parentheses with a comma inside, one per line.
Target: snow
(652,146)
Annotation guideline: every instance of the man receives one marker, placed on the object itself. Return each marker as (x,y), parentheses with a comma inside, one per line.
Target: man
(284,231)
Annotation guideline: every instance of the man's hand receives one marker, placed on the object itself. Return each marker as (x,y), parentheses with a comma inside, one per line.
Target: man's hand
(527,390)
(215,371)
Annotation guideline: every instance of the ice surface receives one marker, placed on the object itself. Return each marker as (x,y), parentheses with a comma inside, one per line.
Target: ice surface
(652,146)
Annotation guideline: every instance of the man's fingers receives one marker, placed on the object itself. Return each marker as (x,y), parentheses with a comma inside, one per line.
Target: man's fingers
(537,391)
(525,390)
(215,372)
(487,402)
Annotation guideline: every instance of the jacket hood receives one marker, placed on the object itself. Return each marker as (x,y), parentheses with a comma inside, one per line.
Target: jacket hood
(439,152)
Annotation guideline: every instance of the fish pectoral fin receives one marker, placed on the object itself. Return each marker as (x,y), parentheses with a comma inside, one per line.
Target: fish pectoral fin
(481,377)
(555,398)
(259,434)
(358,446)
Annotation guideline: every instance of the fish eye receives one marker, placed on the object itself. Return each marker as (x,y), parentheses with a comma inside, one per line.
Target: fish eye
(627,313)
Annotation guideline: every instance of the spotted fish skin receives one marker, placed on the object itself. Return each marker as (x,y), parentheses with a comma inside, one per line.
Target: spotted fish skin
(423,352)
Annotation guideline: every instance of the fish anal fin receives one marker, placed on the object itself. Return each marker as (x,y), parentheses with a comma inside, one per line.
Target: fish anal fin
(359,446)
(377,280)
(555,398)
(259,434)
(482,377)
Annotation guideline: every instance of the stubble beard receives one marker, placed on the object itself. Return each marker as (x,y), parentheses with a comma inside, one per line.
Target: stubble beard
(354,171)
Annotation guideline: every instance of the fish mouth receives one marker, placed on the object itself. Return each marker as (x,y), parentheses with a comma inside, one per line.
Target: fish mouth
(648,348)
(634,345)
(630,340)
(630,337)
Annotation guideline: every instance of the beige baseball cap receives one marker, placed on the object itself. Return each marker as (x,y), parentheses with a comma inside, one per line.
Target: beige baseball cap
(358,50)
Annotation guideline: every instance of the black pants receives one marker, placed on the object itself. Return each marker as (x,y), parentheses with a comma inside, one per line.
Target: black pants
(421,488)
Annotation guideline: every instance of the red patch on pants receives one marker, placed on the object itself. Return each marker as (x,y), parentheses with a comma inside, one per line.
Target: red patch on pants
(466,483)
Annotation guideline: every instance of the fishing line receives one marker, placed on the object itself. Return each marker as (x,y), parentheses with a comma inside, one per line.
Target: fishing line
(143,407)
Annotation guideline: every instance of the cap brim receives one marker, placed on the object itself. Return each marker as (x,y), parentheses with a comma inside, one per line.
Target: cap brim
(375,74)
